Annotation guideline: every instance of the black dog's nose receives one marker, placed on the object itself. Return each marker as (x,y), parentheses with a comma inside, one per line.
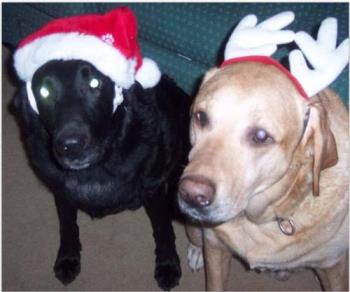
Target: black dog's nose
(197,191)
(68,146)
(71,142)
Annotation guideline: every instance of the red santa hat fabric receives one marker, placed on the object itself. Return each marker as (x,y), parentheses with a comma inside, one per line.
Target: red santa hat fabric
(109,42)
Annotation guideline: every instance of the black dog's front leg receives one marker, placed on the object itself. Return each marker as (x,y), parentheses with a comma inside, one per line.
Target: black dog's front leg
(168,269)
(67,265)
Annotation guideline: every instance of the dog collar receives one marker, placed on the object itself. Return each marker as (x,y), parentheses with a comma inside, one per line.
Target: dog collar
(286,226)
(269,61)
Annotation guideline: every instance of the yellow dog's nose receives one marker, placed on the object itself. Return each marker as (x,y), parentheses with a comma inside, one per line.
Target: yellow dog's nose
(197,191)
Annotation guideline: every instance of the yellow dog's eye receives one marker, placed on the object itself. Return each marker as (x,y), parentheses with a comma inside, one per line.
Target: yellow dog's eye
(94,83)
(261,136)
(44,91)
(201,118)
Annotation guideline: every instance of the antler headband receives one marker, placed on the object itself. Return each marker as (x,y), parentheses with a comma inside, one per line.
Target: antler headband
(250,42)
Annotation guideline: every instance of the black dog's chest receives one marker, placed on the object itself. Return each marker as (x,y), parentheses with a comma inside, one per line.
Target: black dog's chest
(128,163)
(103,194)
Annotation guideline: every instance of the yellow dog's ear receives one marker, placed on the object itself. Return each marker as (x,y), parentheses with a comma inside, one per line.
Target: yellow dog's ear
(320,138)
(209,74)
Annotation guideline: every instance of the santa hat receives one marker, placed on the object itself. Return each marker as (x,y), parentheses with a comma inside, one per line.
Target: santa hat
(109,42)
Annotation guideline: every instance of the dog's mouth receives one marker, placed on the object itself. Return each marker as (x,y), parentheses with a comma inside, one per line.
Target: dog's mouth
(85,160)
(210,215)
(74,165)
(77,150)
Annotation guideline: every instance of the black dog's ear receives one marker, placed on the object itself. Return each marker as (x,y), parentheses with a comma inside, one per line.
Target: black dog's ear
(135,90)
(15,105)
(19,106)
(136,94)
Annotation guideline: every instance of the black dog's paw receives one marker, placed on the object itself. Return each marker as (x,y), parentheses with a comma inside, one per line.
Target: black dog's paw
(168,274)
(67,268)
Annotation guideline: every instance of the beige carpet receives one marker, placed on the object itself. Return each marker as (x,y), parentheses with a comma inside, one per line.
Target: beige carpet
(117,250)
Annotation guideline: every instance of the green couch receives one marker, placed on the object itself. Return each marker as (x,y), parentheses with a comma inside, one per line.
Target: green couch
(185,39)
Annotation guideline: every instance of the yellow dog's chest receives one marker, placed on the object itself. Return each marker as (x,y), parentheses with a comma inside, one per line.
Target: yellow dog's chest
(266,246)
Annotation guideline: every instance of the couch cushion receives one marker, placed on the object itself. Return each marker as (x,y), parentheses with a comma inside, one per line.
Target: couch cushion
(186,39)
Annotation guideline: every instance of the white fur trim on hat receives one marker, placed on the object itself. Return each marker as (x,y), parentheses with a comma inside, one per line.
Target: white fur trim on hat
(118,97)
(148,74)
(31,97)
(75,46)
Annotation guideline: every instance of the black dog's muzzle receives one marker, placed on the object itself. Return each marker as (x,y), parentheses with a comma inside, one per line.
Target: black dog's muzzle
(71,146)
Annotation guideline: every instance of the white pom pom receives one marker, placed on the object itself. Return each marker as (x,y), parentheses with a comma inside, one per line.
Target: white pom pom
(148,75)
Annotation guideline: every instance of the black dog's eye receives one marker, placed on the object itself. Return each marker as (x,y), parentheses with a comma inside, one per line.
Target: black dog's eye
(44,91)
(201,118)
(95,83)
(261,136)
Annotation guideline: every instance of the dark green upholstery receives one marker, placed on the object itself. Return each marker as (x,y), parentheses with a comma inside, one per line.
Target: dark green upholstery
(185,39)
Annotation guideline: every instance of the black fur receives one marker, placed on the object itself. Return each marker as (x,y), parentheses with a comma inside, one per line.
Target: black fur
(103,163)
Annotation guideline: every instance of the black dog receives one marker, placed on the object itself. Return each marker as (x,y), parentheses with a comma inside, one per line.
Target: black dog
(104,162)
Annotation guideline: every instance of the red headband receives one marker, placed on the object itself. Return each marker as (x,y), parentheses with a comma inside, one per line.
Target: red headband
(268,60)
